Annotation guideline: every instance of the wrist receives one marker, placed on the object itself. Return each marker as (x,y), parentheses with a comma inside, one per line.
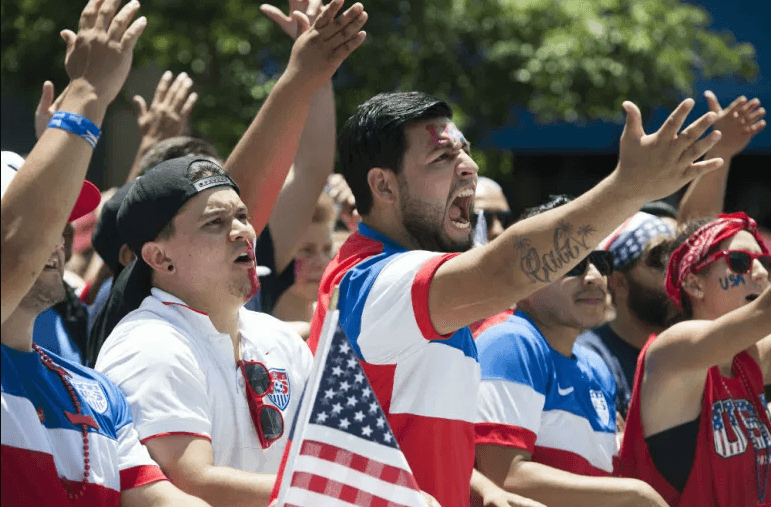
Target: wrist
(82,99)
(624,191)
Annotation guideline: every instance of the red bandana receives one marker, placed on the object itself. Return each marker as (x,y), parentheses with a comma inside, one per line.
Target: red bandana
(698,245)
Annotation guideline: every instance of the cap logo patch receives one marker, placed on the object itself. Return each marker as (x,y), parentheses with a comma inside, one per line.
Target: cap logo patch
(212,181)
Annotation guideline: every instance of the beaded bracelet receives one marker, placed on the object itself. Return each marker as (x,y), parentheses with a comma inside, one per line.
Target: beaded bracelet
(76,124)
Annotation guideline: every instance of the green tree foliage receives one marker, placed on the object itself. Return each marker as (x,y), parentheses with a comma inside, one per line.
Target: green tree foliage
(563,59)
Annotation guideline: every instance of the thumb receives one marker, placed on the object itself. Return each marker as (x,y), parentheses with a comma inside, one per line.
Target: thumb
(46,98)
(633,126)
(286,23)
(140,105)
(714,105)
(303,24)
(68,36)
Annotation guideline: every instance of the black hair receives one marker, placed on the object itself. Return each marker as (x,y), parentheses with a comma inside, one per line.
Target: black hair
(374,137)
(553,202)
(175,147)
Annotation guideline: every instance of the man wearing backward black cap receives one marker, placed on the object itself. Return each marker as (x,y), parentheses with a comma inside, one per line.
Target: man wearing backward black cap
(209,383)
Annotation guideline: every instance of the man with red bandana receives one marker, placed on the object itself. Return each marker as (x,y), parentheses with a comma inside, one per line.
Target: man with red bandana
(698,429)
(407,294)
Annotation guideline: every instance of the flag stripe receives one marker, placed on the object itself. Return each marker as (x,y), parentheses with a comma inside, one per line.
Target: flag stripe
(383,454)
(373,468)
(339,490)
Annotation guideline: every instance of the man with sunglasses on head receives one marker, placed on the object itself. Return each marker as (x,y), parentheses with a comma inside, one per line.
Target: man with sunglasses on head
(546,413)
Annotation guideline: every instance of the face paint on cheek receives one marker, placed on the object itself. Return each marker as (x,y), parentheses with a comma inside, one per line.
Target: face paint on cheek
(255,281)
(731,281)
(300,266)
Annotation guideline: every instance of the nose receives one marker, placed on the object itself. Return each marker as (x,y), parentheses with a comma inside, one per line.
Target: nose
(759,272)
(592,276)
(466,166)
(494,229)
(242,230)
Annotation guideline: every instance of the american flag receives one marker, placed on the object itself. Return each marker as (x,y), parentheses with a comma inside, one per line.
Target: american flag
(341,450)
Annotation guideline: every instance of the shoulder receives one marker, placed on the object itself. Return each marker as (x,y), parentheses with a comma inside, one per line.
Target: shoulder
(596,365)
(511,350)
(263,329)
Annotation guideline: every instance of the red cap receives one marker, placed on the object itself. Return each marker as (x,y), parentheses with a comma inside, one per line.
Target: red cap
(87,202)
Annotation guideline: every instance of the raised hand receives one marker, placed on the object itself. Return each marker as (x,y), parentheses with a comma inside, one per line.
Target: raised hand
(169,110)
(311,9)
(46,107)
(321,48)
(739,123)
(656,165)
(100,54)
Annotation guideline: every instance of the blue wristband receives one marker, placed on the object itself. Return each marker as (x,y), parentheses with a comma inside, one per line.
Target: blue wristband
(76,124)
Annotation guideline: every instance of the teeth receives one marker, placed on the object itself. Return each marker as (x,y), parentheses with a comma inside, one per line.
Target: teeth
(465,193)
(461,225)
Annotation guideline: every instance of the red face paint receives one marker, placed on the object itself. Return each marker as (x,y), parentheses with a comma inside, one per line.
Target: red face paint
(253,273)
(450,135)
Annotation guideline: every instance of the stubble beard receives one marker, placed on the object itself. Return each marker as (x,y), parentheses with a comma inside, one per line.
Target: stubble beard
(44,294)
(425,223)
(650,306)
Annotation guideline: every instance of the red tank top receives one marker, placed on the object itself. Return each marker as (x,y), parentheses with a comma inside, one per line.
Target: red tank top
(731,465)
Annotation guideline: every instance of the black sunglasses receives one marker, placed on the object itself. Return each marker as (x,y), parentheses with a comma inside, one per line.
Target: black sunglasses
(602,260)
(739,261)
(503,216)
(267,419)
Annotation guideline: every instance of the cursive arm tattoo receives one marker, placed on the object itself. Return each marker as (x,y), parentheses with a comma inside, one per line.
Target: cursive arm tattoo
(569,248)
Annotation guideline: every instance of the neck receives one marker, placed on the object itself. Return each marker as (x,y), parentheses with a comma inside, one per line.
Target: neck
(292,307)
(16,331)
(560,338)
(631,329)
(390,227)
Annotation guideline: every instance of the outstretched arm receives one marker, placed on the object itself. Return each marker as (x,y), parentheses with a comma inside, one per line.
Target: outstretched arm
(98,60)
(534,252)
(315,155)
(262,158)
(739,123)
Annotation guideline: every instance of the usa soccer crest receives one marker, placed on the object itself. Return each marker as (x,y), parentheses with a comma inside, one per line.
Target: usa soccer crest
(92,392)
(600,406)
(279,395)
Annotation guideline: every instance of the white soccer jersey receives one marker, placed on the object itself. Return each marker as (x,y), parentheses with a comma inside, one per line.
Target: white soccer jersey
(180,377)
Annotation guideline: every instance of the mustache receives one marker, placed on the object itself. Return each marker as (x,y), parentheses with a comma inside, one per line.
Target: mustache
(591,293)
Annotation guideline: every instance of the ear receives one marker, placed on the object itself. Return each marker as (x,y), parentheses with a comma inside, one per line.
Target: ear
(693,286)
(125,256)
(383,185)
(154,255)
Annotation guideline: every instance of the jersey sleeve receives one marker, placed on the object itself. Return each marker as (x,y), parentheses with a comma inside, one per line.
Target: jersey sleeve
(513,388)
(390,295)
(163,382)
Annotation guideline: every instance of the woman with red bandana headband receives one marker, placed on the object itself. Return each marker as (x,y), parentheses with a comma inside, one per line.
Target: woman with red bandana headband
(698,429)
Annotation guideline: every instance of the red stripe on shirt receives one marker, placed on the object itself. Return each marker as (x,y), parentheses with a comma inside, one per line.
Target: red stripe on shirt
(505,435)
(567,461)
(420,288)
(140,475)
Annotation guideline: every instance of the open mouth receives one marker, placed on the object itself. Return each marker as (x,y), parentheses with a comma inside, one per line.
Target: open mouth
(460,214)
(52,265)
(752,297)
(246,258)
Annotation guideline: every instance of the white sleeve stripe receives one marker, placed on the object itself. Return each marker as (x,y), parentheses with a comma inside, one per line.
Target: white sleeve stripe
(569,432)
(510,403)
(131,453)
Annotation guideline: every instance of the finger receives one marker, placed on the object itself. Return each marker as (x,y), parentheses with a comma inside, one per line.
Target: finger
(676,119)
(757,127)
(749,106)
(303,24)
(122,20)
(182,94)
(694,131)
(46,99)
(105,14)
(712,101)
(755,116)
(132,33)
(163,87)
(187,108)
(633,127)
(342,51)
(88,16)
(284,22)
(696,169)
(345,25)
(175,87)
(735,105)
(68,36)
(328,14)
(57,103)
(141,105)
(697,149)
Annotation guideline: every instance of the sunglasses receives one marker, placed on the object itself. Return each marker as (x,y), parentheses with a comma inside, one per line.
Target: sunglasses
(739,261)
(267,419)
(503,216)
(602,260)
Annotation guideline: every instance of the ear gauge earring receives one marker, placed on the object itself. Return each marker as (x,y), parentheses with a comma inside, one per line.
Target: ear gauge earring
(170,268)
(700,293)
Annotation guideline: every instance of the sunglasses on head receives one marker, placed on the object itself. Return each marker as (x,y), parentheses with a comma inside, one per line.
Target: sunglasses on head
(503,216)
(739,261)
(267,419)
(602,260)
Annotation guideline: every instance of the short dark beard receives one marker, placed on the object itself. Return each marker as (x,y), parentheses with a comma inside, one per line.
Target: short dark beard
(651,306)
(420,221)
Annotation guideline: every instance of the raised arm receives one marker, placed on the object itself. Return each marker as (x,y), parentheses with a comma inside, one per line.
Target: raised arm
(315,155)
(739,123)
(263,156)
(535,252)
(98,60)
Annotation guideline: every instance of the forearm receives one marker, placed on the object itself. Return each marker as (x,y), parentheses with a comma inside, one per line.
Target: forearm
(262,158)
(705,195)
(229,487)
(38,203)
(528,256)
(313,163)
(557,488)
